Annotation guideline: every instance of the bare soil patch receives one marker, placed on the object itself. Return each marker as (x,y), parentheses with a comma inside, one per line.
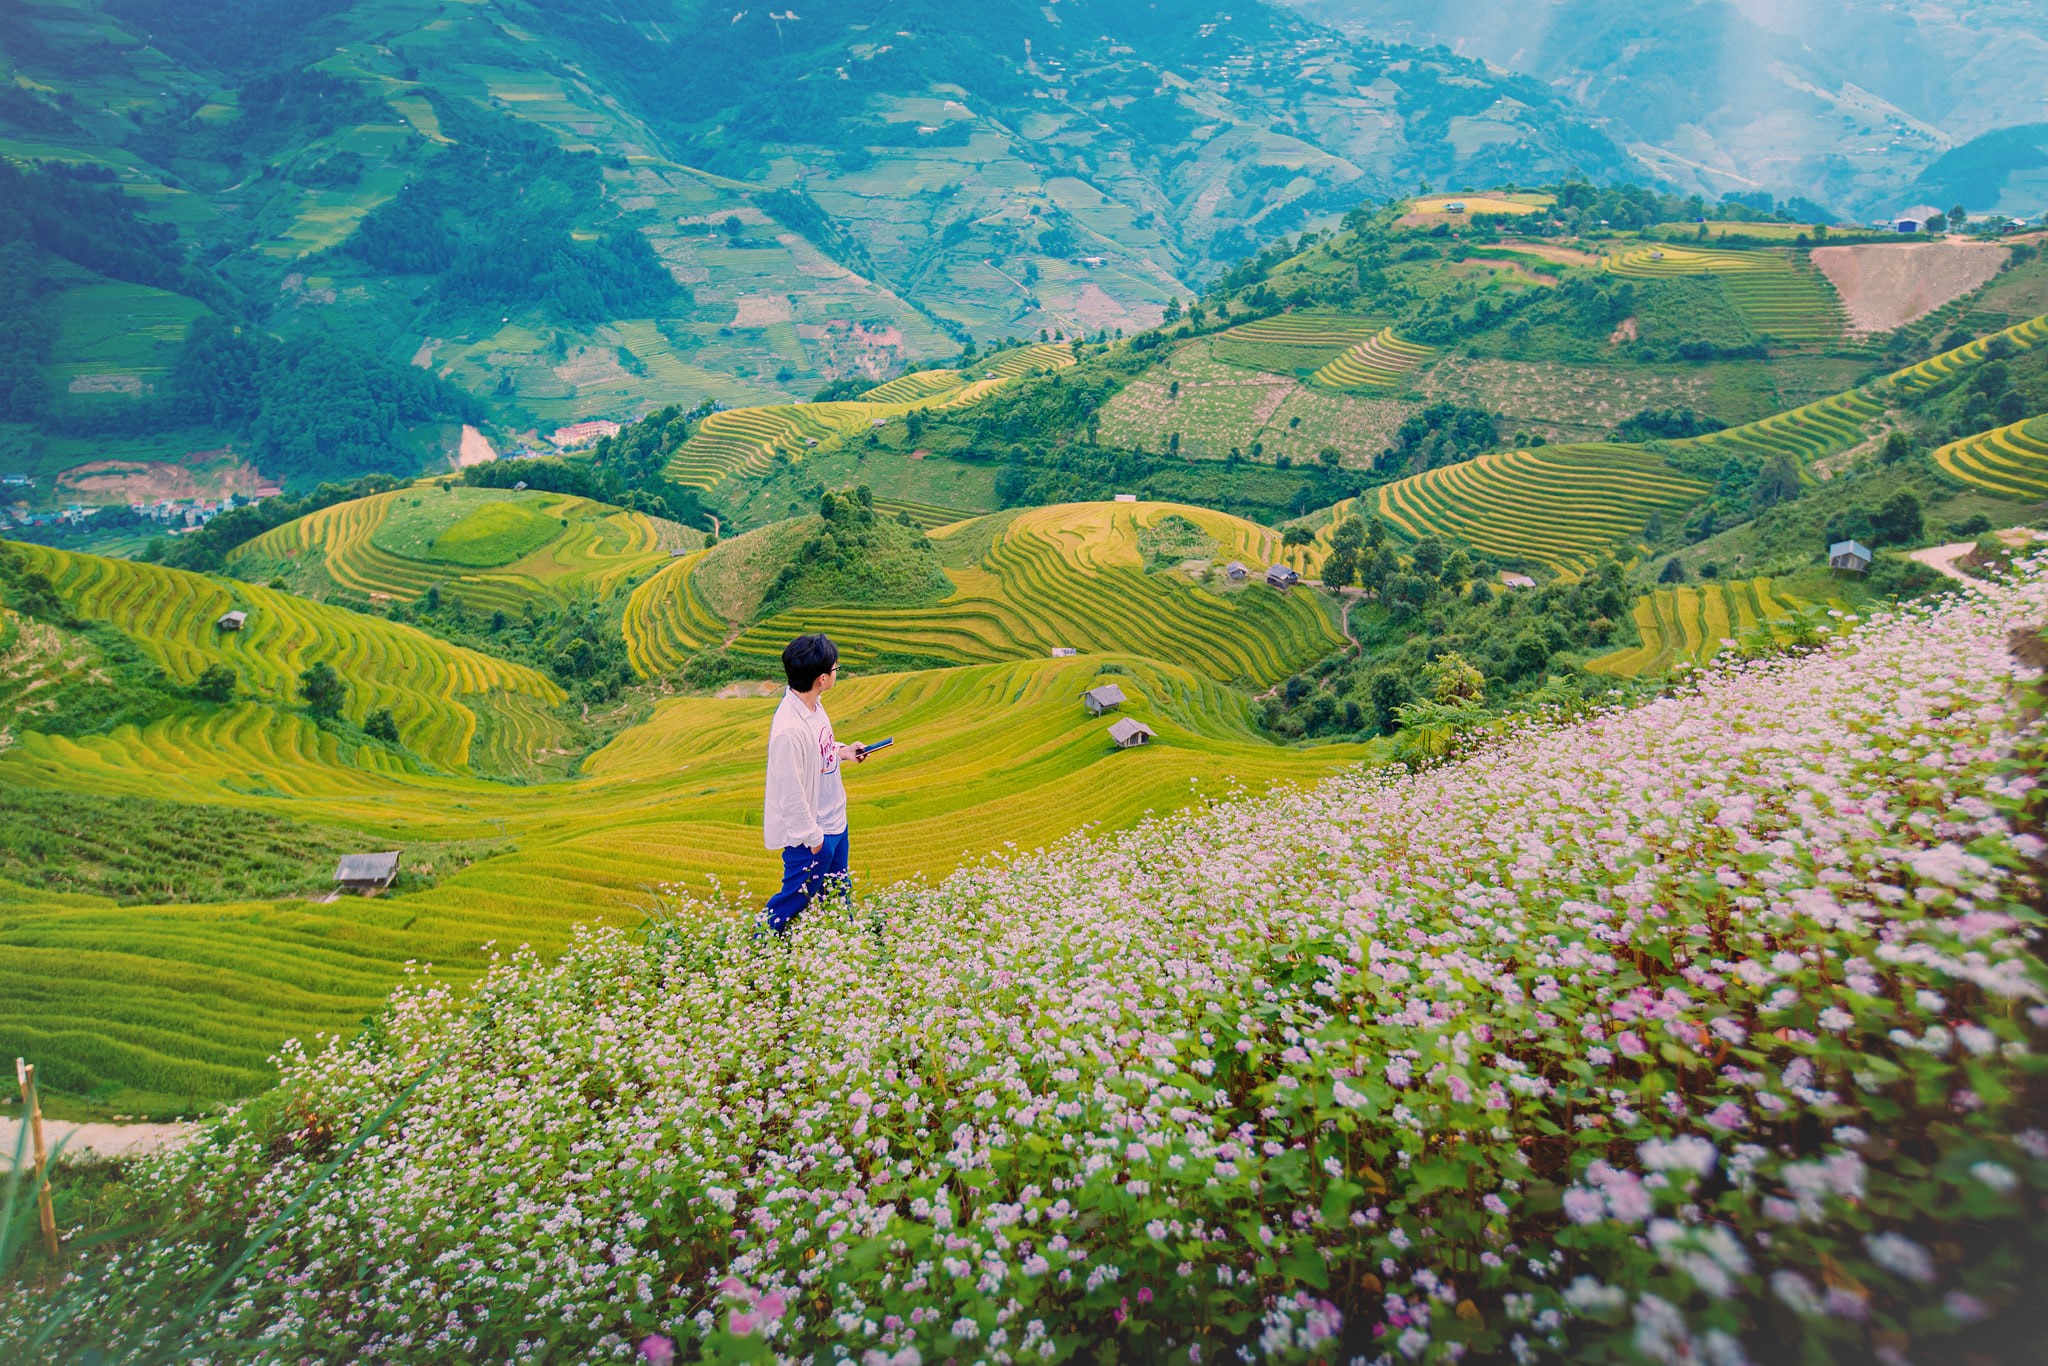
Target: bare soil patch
(1550,251)
(761,310)
(1885,286)
(1626,332)
(475,449)
(107,384)
(201,474)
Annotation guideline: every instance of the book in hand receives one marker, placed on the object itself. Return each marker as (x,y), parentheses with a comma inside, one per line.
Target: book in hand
(879,744)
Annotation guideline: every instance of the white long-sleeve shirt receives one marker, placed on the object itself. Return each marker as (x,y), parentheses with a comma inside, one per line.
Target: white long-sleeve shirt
(806,799)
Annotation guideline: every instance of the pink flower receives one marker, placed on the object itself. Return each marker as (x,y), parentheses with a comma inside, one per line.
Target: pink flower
(658,1350)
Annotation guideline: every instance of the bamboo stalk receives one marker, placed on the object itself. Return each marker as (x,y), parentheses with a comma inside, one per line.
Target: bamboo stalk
(46,1214)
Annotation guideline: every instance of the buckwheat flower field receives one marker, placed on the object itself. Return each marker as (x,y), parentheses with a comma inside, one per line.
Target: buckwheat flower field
(1701,1032)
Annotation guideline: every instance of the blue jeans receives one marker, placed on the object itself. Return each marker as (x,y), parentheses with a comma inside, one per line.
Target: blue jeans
(805,877)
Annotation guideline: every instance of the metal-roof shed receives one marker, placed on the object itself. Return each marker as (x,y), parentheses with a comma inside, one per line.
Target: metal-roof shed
(1127,733)
(1099,700)
(367,872)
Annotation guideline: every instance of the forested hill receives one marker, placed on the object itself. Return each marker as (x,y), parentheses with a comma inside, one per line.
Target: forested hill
(565,211)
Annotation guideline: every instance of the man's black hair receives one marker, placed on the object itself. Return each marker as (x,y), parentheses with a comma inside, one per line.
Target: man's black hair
(804,658)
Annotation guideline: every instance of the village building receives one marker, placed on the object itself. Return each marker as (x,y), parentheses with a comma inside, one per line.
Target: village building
(368,874)
(1236,572)
(1100,700)
(1516,581)
(583,433)
(1128,734)
(1282,576)
(1064,652)
(231,621)
(1851,557)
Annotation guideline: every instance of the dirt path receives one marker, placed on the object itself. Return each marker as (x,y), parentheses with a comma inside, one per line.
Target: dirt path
(1942,558)
(84,1142)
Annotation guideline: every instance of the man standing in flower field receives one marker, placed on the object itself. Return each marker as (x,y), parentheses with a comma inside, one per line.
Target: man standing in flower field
(804,813)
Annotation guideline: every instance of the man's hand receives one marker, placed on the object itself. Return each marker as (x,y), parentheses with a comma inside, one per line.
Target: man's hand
(857,753)
(818,848)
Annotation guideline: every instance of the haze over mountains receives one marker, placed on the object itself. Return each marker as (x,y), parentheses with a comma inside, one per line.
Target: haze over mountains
(1841,101)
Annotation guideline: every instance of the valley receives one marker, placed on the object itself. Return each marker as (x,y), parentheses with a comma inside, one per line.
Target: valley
(1456,604)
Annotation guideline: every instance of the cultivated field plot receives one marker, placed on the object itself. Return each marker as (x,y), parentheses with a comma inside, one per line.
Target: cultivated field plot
(117,338)
(1382,361)
(1692,625)
(1028,583)
(746,441)
(1807,434)
(1932,371)
(456,709)
(1581,402)
(175,1006)
(1293,343)
(1845,421)
(1780,300)
(1562,506)
(2011,461)
(490,549)
(1430,210)
(1220,406)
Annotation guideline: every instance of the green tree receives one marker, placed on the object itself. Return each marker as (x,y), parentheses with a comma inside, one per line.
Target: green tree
(381,725)
(1297,534)
(1330,457)
(1672,572)
(216,683)
(1899,521)
(322,690)
(1430,555)
(1453,680)
(1897,446)
(1777,482)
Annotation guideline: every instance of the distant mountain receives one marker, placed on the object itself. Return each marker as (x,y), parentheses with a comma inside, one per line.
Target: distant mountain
(1841,101)
(571,208)
(2004,171)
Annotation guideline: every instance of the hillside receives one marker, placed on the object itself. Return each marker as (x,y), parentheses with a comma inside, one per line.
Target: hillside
(487,549)
(1674,1002)
(564,216)
(1098,578)
(192,1012)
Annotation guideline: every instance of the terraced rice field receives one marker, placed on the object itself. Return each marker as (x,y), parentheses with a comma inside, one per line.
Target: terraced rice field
(919,384)
(2011,461)
(1563,506)
(1779,300)
(179,1005)
(1932,371)
(924,516)
(599,550)
(1692,625)
(1807,434)
(1293,343)
(456,709)
(1067,576)
(745,441)
(1382,361)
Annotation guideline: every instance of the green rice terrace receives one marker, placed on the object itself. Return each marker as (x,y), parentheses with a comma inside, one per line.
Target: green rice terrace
(491,549)
(1781,298)
(1693,624)
(1024,584)
(745,441)
(2012,460)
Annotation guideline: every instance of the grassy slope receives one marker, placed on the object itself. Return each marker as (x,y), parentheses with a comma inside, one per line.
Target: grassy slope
(155,1008)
